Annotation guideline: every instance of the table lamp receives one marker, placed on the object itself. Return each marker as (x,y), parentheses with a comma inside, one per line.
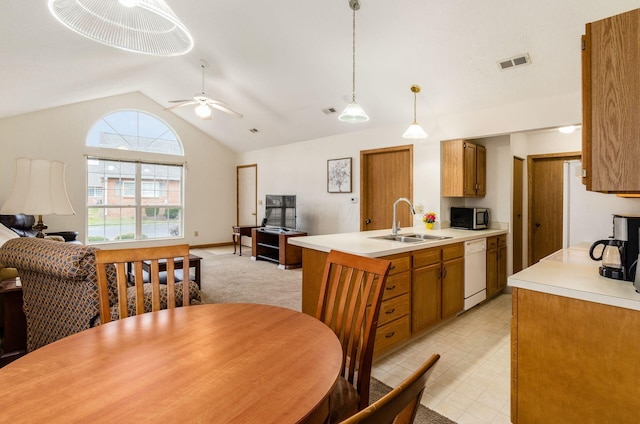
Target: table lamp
(38,189)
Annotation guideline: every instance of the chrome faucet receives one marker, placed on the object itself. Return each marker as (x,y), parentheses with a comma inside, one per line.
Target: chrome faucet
(396,226)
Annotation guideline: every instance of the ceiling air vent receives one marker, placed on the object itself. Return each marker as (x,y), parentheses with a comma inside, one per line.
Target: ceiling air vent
(519,60)
(253,130)
(329,111)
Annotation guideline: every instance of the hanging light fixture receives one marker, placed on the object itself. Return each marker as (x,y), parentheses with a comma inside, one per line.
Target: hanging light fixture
(414,131)
(353,112)
(141,26)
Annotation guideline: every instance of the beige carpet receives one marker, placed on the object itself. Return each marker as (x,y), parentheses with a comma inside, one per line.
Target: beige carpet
(229,278)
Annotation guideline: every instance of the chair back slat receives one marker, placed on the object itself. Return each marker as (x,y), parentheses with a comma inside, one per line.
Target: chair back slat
(400,405)
(132,259)
(347,286)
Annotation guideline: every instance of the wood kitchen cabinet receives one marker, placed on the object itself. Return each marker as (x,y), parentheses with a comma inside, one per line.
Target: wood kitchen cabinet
(573,361)
(464,169)
(610,104)
(394,324)
(496,264)
(437,286)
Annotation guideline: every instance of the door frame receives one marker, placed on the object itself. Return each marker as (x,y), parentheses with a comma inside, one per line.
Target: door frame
(255,206)
(531,159)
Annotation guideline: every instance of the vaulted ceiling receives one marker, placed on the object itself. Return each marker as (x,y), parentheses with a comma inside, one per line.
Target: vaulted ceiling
(281,62)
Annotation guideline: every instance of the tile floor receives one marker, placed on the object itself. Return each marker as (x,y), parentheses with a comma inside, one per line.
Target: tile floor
(471,381)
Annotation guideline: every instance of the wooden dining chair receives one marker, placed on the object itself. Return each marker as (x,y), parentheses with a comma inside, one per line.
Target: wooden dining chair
(349,303)
(151,296)
(401,403)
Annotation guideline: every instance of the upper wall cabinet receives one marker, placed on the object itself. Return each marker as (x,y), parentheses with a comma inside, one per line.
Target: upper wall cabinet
(611,104)
(464,169)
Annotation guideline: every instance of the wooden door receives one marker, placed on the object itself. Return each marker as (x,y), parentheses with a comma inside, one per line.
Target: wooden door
(452,287)
(247,196)
(516,219)
(545,203)
(425,297)
(470,170)
(481,171)
(385,175)
(610,85)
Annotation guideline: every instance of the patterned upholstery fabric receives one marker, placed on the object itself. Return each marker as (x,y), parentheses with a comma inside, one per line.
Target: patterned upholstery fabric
(59,287)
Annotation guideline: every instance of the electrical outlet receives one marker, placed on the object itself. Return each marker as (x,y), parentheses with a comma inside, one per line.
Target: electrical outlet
(196,233)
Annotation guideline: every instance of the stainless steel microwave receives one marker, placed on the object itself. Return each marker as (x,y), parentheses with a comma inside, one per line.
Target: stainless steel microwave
(470,218)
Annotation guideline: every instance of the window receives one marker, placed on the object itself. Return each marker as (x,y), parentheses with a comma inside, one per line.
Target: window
(133,200)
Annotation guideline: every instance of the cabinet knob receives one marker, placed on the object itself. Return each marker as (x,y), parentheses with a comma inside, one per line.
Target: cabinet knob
(388,336)
(367,221)
(390,311)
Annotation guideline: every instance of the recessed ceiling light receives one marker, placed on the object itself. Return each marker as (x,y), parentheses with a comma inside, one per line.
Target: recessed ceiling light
(568,129)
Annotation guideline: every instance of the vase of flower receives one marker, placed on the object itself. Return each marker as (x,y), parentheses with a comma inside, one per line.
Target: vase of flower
(429,218)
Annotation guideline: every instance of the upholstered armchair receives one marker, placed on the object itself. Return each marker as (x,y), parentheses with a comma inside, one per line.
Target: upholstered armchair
(59,287)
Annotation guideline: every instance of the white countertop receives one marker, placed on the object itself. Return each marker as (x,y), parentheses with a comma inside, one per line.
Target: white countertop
(362,244)
(572,273)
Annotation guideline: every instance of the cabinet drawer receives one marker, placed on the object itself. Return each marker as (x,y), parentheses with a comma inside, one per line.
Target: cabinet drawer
(396,285)
(452,251)
(492,243)
(399,263)
(393,308)
(502,240)
(391,334)
(426,257)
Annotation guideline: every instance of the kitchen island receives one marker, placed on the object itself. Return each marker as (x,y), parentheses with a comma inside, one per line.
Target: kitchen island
(425,285)
(575,343)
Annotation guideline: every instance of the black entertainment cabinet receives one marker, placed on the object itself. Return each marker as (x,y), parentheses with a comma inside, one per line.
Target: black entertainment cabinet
(271,245)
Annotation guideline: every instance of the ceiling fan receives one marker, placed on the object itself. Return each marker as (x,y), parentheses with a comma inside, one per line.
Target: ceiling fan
(203,102)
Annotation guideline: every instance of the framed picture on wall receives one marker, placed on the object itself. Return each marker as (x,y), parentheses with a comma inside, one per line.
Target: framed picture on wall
(339,175)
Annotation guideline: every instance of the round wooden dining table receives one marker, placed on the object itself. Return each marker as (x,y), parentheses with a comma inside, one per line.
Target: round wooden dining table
(214,363)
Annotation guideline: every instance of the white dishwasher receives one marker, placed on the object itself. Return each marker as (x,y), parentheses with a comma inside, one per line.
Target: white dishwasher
(475,272)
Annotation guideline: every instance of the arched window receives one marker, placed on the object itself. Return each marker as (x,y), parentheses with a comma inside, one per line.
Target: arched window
(133,199)
(134,130)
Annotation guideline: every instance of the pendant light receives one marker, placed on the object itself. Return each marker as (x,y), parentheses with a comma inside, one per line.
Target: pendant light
(353,113)
(414,131)
(140,26)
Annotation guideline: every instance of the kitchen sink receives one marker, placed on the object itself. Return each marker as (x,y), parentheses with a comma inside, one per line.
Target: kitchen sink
(411,238)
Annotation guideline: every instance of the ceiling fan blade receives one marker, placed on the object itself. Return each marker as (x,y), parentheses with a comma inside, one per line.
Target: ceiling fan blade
(221,106)
(180,101)
(183,103)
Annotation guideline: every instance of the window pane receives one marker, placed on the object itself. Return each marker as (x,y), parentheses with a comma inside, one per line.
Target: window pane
(113,190)
(110,224)
(134,130)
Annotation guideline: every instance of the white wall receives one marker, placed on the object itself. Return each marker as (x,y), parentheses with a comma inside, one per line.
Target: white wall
(301,168)
(60,134)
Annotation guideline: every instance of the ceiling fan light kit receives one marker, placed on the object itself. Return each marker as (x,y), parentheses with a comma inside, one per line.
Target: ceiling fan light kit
(140,26)
(353,113)
(415,131)
(203,102)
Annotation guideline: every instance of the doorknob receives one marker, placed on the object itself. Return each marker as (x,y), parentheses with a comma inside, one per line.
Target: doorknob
(538,223)
(367,221)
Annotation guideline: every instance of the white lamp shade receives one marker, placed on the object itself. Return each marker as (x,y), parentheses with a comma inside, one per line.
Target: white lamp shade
(414,131)
(38,189)
(353,113)
(141,26)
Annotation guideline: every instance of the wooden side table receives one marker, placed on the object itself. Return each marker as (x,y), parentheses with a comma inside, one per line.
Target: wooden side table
(238,232)
(14,341)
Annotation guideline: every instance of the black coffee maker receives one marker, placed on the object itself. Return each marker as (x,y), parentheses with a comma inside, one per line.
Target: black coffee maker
(625,229)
